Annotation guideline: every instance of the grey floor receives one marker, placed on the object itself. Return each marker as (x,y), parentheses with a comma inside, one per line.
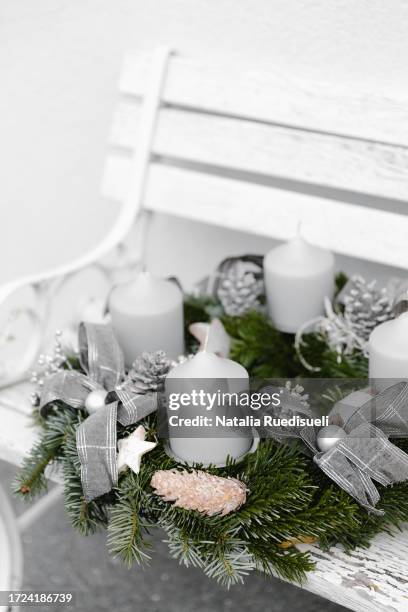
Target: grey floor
(57,558)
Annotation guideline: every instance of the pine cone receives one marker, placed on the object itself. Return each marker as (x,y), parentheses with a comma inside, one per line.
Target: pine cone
(149,371)
(199,491)
(239,286)
(366,306)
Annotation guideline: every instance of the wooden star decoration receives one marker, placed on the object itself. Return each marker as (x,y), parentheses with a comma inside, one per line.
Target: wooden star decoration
(132,448)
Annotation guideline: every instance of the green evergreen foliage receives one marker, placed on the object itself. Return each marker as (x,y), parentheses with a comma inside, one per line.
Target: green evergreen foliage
(289,499)
(268,353)
(31,479)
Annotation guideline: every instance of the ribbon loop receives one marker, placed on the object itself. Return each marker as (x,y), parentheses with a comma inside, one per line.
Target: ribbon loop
(365,454)
(388,410)
(96,446)
(96,437)
(337,467)
(100,354)
(66,386)
(133,407)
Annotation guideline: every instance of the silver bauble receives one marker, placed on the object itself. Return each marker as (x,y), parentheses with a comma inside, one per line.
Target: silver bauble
(329,436)
(95,400)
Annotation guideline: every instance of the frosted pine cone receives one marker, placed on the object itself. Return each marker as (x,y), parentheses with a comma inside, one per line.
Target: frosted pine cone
(149,371)
(366,306)
(239,286)
(199,491)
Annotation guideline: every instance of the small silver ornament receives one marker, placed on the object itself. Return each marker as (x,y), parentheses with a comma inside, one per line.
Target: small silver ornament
(329,436)
(95,400)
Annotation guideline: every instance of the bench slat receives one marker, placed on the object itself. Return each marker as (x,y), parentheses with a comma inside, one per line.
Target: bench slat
(348,229)
(366,579)
(272,97)
(352,165)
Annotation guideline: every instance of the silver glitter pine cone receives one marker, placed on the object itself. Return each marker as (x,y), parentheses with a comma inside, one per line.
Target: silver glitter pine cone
(239,286)
(366,306)
(149,371)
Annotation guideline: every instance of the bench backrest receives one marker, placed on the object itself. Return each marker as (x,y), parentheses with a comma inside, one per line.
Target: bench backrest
(261,152)
(241,149)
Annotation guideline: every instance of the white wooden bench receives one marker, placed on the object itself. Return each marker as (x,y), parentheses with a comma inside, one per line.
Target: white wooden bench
(255,152)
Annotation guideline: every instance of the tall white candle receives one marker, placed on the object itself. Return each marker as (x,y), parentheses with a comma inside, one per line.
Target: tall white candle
(388,352)
(298,276)
(147,315)
(208,372)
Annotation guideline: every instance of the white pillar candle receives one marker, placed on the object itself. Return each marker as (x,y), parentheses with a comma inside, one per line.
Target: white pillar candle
(147,315)
(388,352)
(298,276)
(208,372)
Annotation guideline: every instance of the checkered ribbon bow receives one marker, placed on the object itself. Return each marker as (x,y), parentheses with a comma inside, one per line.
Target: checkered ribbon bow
(102,361)
(365,454)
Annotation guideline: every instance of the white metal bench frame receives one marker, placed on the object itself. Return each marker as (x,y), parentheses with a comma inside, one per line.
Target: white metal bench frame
(46,285)
(260,164)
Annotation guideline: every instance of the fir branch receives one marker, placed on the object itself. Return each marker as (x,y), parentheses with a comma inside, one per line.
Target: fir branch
(316,352)
(182,547)
(31,480)
(126,533)
(259,347)
(129,524)
(290,564)
(229,562)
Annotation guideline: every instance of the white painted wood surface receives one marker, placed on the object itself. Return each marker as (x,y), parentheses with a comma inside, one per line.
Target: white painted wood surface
(274,97)
(366,580)
(279,141)
(349,229)
(270,150)
(370,580)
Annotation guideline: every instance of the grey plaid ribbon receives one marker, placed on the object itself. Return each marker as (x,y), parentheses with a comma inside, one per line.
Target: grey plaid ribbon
(365,454)
(102,360)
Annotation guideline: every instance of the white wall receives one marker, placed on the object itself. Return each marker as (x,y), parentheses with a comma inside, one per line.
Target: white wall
(59,62)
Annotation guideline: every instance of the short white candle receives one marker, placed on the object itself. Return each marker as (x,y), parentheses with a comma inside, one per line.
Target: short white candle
(388,352)
(147,315)
(298,276)
(208,372)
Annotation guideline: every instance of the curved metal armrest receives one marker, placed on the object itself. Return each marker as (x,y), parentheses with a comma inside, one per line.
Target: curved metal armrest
(46,285)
